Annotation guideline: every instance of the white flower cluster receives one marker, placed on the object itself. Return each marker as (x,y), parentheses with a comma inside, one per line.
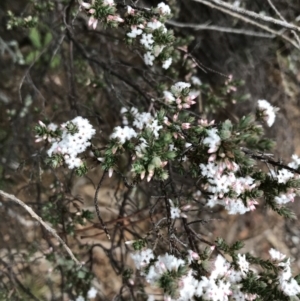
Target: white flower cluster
(141,121)
(267,111)
(287,283)
(284,175)
(147,32)
(91,9)
(176,95)
(224,282)
(72,144)
(212,140)
(221,179)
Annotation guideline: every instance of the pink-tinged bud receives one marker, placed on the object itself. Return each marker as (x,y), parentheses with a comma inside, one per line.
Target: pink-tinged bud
(252,204)
(150,175)
(221,195)
(183,215)
(212,248)
(110,172)
(129,242)
(163,164)
(178,100)
(175,135)
(233,88)
(212,149)
(202,122)
(143,173)
(185,208)
(91,21)
(92,11)
(194,255)
(185,126)
(212,158)
(38,140)
(130,10)
(100,159)
(162,266)
(179,107)
(167,298)
(175,117)
(41,123)
(114,149)
(186,106)
(115,18)
(95,24)
(133,157)
(131,282)
(166,121)
(84,5)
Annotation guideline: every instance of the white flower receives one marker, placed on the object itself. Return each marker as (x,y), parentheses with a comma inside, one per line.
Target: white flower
(164,9)
(109,2)
(267,111)
(149,58)
(174,211)
(196,81)
(169,97)
(243,263)
(134,32)
(154,25)
(276,255)
(212,140)
(142,258)
(154,127)
(284,175)
(283,198)
(92,293)
(294,164)
(123,134)
(142,119)
(167,63)
(178,87)
(147,40)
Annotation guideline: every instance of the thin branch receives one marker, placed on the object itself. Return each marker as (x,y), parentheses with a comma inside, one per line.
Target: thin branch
(255,15)
(39,219)
(264,158)
(221,29)
(97,206)
(283,19)
(252,22)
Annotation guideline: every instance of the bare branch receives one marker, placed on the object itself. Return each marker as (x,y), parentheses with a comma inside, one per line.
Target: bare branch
(39,219)
(250,21)
(255,15)
(221,29)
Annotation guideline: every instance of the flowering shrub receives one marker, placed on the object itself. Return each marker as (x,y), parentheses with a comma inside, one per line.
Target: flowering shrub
(160,144)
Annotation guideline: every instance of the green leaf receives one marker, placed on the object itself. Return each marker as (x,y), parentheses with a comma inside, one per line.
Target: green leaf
(35,38)
(48,38)
(31,56)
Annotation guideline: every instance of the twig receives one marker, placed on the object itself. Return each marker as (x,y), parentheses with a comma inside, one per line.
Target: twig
(221,29)
(283,19)
(247,20)
(255,15)
(39,219)
(97,205)
(264,158)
